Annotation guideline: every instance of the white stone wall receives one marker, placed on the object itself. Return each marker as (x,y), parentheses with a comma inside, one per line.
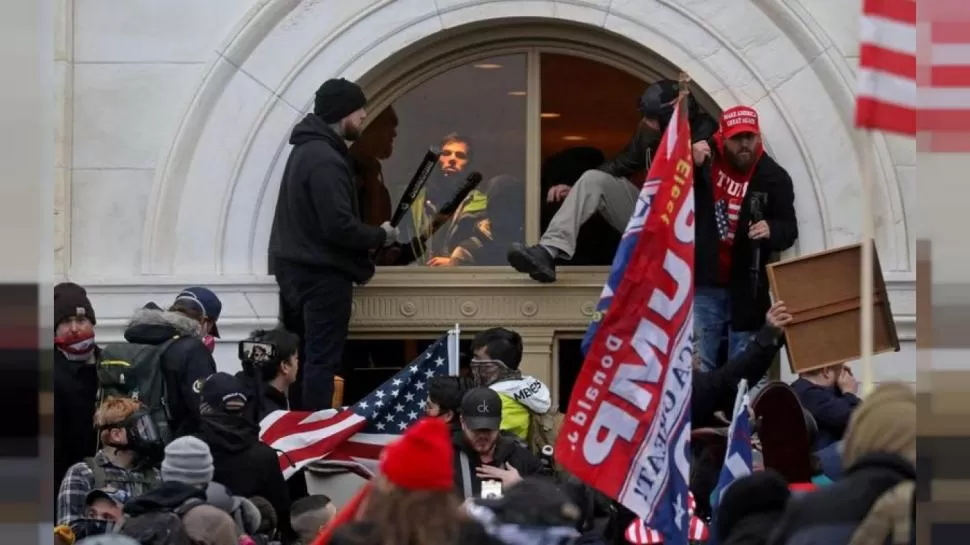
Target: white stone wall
(173,118)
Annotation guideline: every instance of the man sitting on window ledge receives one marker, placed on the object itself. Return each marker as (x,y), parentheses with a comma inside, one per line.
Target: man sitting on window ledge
(607,189)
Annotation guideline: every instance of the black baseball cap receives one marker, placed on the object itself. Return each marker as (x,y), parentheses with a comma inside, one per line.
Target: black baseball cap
(481,409)
(204,301)
(224,392)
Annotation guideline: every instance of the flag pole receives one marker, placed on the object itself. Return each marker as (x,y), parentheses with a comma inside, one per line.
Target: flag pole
(866,284)
(454,345)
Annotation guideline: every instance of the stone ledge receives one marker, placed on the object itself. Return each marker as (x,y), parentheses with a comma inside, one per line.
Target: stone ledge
(409,300)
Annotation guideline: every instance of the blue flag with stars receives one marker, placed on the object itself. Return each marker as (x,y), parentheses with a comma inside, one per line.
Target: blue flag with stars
(400,401)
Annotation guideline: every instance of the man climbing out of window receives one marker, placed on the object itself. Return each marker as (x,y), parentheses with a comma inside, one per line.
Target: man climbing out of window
(608,190)
(495,363)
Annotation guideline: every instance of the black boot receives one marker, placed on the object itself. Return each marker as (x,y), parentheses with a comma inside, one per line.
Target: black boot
(535,261)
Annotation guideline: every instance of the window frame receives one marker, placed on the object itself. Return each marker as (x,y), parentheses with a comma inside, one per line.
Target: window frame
(420,62)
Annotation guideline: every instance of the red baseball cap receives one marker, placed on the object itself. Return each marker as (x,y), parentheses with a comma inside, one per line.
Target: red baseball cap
(739,119)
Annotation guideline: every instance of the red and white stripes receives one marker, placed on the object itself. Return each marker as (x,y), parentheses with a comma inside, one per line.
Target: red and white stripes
(914,74)
(887,93)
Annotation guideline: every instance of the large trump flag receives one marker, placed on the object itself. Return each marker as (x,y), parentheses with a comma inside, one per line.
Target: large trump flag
(627,431)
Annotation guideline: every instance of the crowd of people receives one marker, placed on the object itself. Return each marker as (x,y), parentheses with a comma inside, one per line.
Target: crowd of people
(154,445)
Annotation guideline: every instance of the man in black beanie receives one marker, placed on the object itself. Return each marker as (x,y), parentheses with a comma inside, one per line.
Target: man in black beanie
(319,245)
(608,189)
(75,378)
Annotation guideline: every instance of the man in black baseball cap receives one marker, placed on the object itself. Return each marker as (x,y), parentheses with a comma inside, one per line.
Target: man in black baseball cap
(608,189)
(242,463)
(482,453)
(319,245)
(223,392)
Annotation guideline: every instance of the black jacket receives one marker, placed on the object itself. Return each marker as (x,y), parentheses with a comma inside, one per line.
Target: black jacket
(362,533)
(266,398)
(747,308)
(75,400)
(246,466)
(167,496)
(831,514)
(633,158)
(715,390)
(507,451)
(186,363)
(318,221)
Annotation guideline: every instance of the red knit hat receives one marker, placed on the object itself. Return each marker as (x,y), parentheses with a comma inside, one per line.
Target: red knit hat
(422,458)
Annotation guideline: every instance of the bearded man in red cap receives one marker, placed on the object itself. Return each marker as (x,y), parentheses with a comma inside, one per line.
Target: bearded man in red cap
(745,213)
(412,500)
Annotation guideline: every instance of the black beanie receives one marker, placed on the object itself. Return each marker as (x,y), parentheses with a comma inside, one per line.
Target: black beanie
(656,101)
(761,493)
(338,98)
(71,300)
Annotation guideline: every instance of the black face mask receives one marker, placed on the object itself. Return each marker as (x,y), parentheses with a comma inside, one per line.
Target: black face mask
(143,437)
(91,527)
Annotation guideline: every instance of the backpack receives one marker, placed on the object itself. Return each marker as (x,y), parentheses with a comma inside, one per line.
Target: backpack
(159,527)
(148,481)
(543,430)
(135,371)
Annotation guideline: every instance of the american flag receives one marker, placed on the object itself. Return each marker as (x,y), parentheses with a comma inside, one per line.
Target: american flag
(726,216)
(353,437)
(887,93)
(638,533)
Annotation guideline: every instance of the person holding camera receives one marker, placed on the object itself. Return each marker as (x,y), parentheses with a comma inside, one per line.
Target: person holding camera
(271,363)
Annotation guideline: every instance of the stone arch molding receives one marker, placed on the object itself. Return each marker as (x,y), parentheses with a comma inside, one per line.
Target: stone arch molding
(213,199)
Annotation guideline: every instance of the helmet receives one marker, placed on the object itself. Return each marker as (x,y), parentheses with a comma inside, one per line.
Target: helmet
(657,102)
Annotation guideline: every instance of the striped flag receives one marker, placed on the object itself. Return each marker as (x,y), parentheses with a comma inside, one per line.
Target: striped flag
(353,437)
(638,533)
(887,97)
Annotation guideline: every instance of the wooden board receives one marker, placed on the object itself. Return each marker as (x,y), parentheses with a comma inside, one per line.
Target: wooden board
(822,292)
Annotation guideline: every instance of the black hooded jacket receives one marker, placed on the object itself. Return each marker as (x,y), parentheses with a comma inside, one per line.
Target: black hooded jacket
(318,223)
(244,465)
(186,363)
(75,400)
(167,496)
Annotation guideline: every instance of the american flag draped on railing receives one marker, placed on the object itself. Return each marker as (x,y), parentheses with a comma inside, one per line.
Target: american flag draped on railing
(353,437)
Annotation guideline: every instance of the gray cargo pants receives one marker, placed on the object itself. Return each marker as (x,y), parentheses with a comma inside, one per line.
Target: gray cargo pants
(595,191)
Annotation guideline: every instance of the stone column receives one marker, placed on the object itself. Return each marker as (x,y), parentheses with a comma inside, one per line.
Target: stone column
(63,129)
(537,354)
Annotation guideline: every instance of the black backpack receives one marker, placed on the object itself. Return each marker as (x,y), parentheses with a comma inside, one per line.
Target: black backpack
(159,527)
(135,371)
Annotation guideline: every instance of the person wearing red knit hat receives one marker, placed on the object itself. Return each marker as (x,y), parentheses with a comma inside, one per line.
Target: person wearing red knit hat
(412,500)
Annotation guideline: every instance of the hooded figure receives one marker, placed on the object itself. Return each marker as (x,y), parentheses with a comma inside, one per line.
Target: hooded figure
(879,456)
(411,502)
(242,463)
(750,507)
(185,363)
